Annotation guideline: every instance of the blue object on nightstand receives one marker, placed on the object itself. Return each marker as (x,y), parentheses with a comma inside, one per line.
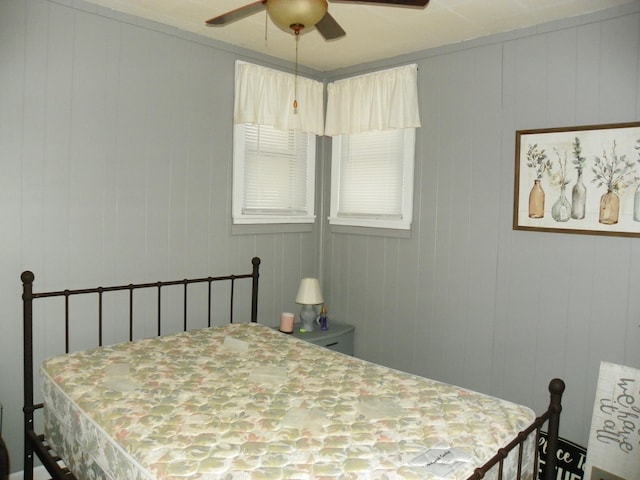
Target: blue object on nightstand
(322,319)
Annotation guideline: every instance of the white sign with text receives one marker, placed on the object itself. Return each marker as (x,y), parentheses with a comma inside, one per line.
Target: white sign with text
(614,441)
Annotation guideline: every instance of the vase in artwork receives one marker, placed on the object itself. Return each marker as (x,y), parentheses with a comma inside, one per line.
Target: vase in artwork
(561,209)
(609,208)
(578,199)
(536,200)
(636,205)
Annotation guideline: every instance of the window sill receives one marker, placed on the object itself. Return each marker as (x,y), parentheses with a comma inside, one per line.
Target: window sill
(269,228)
(370,231)
(371,223)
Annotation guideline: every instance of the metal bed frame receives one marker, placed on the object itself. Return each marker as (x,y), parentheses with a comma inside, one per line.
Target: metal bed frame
(36,443)
(552,417)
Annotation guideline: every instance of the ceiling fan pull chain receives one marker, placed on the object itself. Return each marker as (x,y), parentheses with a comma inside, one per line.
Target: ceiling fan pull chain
(295,79)
(266,23)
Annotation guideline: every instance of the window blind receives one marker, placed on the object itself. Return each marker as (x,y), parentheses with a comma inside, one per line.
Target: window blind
(371,175)
(275,181)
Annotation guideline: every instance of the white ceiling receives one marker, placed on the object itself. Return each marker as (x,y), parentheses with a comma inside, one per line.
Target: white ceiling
(374,32)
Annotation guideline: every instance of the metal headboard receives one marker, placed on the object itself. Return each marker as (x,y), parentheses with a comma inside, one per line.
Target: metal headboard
(33,442)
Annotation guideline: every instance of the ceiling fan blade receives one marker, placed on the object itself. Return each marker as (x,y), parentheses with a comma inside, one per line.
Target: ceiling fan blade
(329,28)
(406,3)
(237,14)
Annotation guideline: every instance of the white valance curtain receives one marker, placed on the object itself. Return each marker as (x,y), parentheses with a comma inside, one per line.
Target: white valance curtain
(376,101)
(265,96)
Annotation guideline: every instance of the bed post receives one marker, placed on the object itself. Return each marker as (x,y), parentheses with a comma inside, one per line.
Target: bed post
(556,389)
(27,325)
(255,261)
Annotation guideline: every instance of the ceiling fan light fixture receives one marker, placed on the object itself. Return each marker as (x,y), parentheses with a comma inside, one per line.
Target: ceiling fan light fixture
(298,14)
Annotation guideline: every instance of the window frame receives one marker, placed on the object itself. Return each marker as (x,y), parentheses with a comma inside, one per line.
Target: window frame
(408,169)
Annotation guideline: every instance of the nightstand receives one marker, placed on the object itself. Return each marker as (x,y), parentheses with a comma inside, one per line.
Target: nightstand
(339,337)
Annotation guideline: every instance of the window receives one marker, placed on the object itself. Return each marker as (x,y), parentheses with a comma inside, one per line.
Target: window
(273,174)
(372,179)
(274,146)
(373,119)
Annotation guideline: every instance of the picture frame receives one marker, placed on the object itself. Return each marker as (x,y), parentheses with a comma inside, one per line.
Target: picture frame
(582,179)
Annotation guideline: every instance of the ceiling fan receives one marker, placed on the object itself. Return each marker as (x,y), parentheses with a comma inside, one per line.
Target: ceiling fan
(296,15)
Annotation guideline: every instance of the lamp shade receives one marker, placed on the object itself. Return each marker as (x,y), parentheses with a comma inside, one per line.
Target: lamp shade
(309,292)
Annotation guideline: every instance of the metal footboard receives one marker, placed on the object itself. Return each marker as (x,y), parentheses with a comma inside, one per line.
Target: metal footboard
(552,416)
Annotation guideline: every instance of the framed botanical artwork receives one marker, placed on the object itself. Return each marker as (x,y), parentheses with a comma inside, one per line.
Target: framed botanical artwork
(582,179)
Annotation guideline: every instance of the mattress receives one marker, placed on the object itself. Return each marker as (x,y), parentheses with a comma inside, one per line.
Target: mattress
(246,401)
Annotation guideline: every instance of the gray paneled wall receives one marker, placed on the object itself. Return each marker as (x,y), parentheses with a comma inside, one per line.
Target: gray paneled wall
(115,144)
(115,141)
(466,299)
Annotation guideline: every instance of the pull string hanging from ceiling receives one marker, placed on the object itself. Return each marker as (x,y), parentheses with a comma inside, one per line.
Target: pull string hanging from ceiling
(296,16)
(295,78)
(266,28)
(296,30)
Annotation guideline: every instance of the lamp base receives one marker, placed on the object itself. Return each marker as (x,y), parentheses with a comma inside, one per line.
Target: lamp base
(308,317)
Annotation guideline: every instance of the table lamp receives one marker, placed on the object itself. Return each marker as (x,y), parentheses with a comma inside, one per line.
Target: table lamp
(309,295)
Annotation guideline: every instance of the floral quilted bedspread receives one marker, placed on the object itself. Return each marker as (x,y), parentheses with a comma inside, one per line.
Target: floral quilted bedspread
(246,401)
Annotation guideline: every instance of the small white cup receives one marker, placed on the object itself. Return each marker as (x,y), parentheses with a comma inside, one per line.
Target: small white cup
(286,322)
